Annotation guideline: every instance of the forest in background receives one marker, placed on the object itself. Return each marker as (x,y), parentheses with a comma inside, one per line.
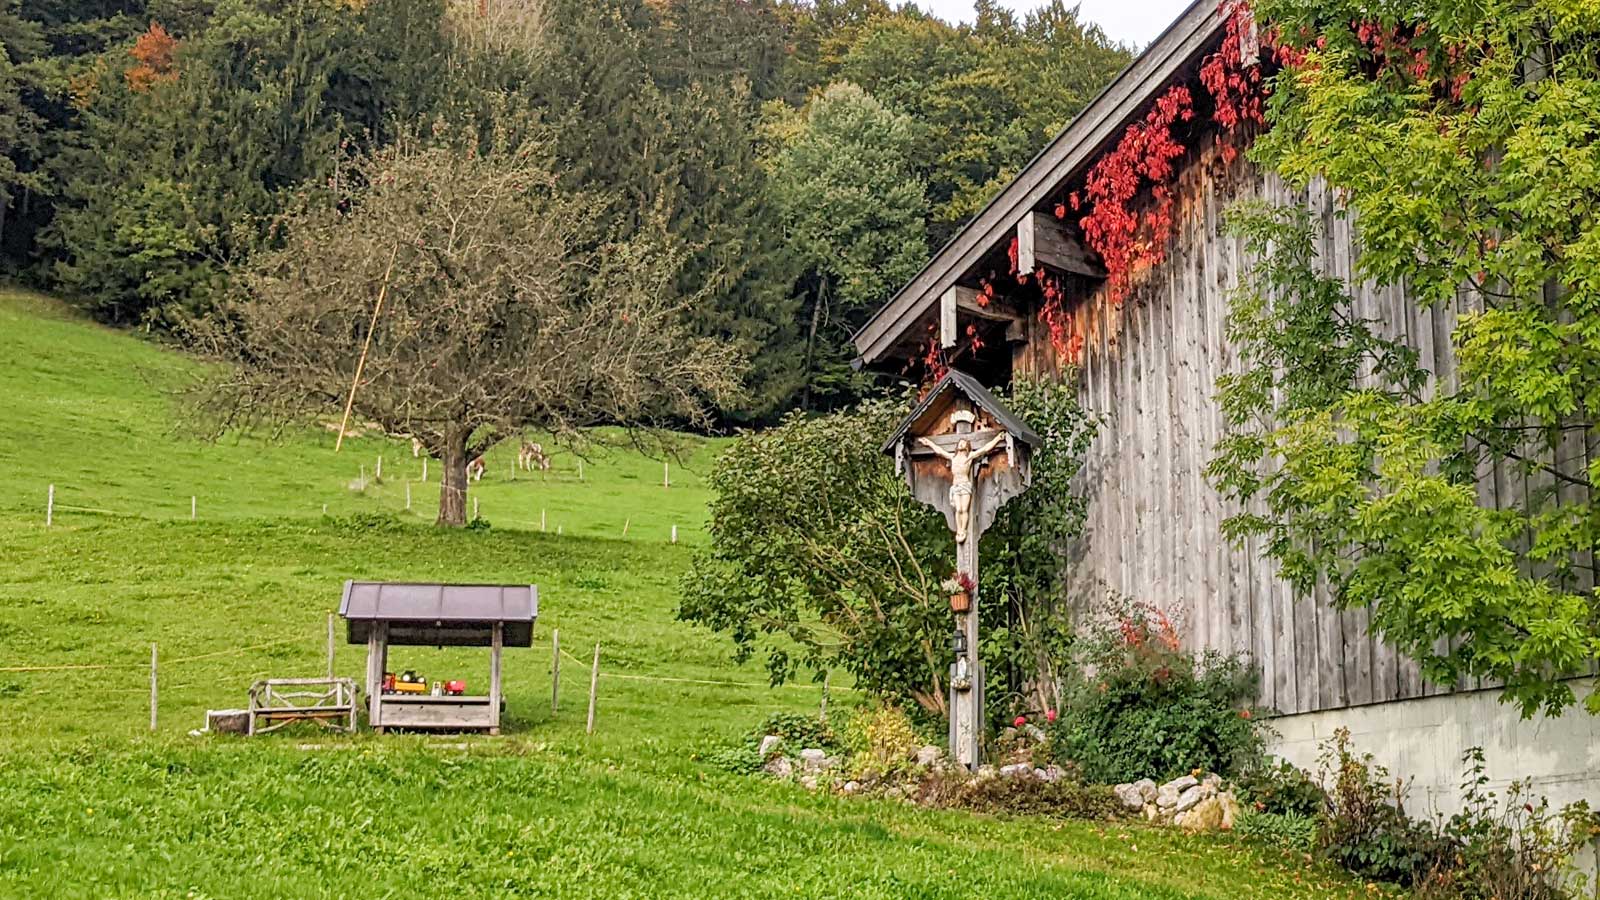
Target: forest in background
(805,158)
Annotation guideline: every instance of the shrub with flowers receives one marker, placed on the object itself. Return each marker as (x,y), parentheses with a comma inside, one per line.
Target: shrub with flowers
(1139,705)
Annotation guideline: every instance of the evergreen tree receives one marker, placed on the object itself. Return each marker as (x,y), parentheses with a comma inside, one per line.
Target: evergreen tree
(852,206)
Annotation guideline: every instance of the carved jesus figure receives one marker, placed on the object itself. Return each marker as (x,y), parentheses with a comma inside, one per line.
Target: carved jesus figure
(962,463)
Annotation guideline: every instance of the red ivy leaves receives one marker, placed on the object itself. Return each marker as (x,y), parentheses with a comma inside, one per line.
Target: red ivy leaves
(1129,190)
(1125,238)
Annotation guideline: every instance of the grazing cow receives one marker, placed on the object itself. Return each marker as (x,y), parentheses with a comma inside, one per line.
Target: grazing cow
(475,469)
(532,456)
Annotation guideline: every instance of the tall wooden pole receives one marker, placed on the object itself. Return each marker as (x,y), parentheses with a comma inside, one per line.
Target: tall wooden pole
(152,687)
(594,686)
(365,346)
(966,706)
(555,669)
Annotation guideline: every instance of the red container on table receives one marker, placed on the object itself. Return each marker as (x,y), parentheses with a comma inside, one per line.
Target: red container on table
(455,688)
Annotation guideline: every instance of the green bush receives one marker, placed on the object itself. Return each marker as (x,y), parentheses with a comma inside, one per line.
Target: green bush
(1283,830)
(1364,828)
(1511,847)
(1279,787)
(740,759)
(880,740)
(799,731)
(1141,707)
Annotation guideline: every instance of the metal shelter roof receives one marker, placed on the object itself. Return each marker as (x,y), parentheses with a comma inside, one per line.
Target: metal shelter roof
(441,614)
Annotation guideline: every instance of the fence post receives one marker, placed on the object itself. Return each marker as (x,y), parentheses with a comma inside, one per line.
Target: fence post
(424,469)
(50,507)
(330,646)
(541,518)
(152,687)
(192,509)
(408,495)
(580,470)
(666,474)
(378,472)
(594,685)
(555,669)
(474,508)
(674,534)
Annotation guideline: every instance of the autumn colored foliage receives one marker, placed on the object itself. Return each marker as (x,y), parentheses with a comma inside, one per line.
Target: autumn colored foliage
(155,52)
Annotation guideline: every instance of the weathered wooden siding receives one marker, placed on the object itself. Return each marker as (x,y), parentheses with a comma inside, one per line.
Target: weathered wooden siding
(1154,531)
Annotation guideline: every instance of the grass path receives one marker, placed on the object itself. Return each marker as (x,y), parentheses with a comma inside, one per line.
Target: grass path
(93,805)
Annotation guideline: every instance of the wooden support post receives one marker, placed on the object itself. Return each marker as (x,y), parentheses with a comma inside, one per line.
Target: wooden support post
(541,518)
(947,317)
(594,686)
(424,469)
(1043,241)
(377,473)
(50,507)
(498,642)
(666,474)
(330,646)
(580,470)
(555,669)
(674,534)
(193,509)
(408,495)
(152,687)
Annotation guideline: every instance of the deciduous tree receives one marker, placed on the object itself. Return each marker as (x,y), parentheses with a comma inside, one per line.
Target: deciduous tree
(1453,497)
(496,314)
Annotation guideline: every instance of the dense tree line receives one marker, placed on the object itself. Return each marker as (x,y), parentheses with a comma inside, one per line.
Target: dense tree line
(804,158)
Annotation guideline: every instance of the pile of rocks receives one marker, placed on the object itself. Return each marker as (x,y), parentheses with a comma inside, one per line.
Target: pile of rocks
(1194,802)
(814,769)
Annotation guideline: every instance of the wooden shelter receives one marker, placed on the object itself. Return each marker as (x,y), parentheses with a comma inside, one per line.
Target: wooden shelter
(384,614)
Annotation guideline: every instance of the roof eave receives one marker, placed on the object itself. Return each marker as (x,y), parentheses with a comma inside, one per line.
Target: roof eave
(1183,40)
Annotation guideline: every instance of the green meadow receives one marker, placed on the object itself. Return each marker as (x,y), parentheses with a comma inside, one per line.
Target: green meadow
(94,804)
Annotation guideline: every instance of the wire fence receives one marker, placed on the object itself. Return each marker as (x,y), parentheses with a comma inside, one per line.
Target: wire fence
(401,503)
(158,664)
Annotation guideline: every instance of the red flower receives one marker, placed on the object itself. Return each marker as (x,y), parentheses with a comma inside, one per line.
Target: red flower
(1049,715)
(1020,721)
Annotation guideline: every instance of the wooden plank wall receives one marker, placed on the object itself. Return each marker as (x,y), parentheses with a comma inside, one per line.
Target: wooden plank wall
(1154,530)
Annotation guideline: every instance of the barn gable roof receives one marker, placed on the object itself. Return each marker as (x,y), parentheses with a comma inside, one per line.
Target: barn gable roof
(1184,41)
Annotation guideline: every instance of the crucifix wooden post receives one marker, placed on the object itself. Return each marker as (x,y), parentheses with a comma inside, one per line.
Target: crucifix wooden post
(962,452)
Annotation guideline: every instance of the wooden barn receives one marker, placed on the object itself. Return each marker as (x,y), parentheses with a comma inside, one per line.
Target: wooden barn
(1021,291)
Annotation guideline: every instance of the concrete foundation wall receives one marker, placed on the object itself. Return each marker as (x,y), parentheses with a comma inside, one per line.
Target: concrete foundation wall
(1424,738)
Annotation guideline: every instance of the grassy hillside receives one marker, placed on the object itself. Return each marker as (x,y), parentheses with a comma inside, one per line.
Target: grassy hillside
(96,413)
(93,805)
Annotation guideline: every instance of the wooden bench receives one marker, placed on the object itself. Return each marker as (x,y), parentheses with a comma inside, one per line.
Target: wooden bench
(276,702)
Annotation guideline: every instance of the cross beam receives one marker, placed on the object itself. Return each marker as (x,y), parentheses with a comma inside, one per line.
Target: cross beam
(1043,241)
